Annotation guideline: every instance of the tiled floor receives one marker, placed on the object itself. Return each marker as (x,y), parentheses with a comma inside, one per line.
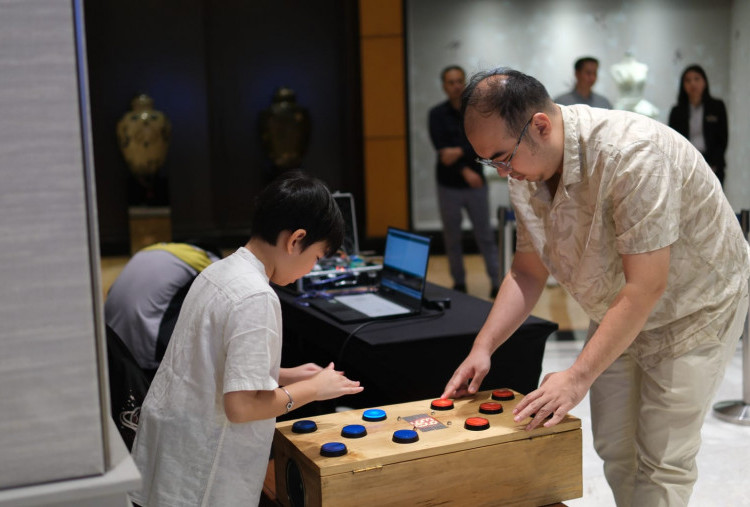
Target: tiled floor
(724,458)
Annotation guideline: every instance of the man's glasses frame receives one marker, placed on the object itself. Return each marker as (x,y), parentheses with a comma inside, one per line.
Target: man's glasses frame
(504,165)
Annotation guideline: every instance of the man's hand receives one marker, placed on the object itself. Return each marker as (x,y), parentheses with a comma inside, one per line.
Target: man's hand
(468,376)
(557,395)
(449,156)
(472,178)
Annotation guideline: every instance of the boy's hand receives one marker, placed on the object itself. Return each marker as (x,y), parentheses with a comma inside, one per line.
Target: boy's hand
(301,372)
(330,383)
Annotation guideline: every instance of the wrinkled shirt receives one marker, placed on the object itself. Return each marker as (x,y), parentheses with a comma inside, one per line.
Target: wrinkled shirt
(227,338)
(631,185)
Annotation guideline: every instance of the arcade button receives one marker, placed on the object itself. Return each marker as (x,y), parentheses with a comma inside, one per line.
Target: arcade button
(405,436)
(353,431)
(374,415)
(441,404)
(332,449)
(491,408)
(476,424)
(304,426)
(503,395)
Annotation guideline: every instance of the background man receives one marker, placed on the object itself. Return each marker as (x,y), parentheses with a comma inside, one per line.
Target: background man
(628,217)
(461,184)
(586,70)
(140,313)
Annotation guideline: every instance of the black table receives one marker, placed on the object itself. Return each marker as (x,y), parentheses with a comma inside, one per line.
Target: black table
(410,358)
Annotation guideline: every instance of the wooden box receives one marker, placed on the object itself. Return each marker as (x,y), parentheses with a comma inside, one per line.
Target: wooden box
(501,465)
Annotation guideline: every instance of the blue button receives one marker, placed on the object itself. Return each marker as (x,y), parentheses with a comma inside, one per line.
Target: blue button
(405,436)
(353,431)
(374,414)
(304,426)
(332,449)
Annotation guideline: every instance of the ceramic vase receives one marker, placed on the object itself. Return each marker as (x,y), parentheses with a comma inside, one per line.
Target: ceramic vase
(143,135)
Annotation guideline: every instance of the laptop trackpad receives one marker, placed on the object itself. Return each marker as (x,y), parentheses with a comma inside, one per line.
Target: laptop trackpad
(372,305)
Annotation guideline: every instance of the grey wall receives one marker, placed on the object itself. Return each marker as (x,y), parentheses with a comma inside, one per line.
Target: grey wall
(544,37)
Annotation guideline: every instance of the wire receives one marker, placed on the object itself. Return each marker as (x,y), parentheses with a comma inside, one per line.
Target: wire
(405,320)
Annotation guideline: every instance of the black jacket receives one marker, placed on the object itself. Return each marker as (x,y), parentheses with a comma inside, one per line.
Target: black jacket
(446,131)
(715,131)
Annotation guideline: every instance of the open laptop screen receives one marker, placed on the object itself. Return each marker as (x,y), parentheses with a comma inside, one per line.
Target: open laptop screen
(405,262)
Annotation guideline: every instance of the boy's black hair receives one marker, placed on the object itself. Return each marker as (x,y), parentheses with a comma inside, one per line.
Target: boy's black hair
(294,201)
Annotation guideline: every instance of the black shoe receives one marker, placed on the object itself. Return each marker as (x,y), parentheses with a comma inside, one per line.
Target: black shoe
(460,287)
(494,291)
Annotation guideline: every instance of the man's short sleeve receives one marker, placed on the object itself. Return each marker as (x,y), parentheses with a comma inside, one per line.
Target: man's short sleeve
(645,193)
(523,238)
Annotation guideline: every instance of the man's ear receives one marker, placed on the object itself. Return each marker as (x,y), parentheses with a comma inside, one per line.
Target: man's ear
(542,124)
(295,239)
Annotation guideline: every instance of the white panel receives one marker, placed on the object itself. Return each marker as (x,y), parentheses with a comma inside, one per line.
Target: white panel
(737,183)
(50,417)
(543,38)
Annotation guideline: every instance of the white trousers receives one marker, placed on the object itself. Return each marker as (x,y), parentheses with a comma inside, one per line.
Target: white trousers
(647,423)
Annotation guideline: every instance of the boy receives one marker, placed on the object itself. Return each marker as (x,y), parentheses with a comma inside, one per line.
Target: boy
(207,422)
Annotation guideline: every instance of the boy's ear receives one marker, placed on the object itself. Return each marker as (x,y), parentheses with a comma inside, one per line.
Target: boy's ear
(295,239)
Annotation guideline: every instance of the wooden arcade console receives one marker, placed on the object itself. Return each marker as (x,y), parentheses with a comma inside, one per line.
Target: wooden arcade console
(418,453)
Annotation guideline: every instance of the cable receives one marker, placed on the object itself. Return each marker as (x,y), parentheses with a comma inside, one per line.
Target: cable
(405,320)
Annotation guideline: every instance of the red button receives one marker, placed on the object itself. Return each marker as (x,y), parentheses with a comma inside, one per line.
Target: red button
(476,423)
(490,408)
(503,394)
(441,404)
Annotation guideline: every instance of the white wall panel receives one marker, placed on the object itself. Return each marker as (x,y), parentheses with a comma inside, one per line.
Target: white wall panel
(50,416)
(543,38)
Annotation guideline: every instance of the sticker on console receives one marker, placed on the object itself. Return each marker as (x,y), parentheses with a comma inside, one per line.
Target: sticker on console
(424,422)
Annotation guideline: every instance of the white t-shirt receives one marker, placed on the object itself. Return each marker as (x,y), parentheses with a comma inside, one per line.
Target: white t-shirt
(227,338)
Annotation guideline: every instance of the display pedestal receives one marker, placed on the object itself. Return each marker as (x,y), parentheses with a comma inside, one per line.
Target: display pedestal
(110,488)
(149,225)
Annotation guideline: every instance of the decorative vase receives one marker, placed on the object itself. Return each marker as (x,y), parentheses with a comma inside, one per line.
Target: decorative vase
(143,135)
(285,130)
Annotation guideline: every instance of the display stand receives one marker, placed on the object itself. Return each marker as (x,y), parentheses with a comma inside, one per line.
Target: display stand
(506,220)
(149,225)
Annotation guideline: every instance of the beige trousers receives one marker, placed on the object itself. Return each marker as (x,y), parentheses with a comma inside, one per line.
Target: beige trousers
(647,423)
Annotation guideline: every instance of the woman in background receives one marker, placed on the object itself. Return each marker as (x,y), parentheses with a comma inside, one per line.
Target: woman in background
(701,118)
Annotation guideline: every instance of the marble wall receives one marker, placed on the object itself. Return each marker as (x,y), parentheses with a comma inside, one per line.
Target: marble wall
(544,38)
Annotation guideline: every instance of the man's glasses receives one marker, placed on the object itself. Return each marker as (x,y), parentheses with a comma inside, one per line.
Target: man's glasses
(504,165)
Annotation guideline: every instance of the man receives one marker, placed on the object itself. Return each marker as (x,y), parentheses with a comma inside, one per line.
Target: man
(586,70)
(140,313)
(144,301)
(627,216)
(461,184)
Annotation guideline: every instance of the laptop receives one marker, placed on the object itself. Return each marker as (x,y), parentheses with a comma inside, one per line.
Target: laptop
(400,289)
